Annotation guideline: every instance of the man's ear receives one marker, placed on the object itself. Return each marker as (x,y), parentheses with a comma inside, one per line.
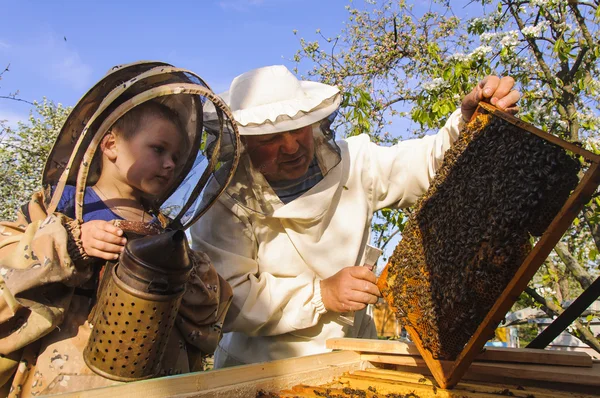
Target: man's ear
(108,146)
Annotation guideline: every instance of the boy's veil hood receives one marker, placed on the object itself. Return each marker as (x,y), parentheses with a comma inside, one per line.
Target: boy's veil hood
(211,158)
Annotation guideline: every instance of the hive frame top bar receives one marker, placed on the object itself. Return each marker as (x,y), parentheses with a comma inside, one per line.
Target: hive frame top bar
(576,149)
(448,375)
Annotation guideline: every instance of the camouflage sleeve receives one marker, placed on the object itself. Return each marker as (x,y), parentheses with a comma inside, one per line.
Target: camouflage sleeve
(40,264)
(204,305)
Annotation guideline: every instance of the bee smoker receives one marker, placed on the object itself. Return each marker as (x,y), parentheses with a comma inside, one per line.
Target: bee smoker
(138,300)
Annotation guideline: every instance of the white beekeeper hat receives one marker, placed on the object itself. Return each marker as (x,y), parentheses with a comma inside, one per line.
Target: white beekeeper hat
(271,100)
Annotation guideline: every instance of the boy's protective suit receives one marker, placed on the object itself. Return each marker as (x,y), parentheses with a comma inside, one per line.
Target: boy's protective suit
(47,282)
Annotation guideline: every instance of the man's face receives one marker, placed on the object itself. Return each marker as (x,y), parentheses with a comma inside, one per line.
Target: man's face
(282,156)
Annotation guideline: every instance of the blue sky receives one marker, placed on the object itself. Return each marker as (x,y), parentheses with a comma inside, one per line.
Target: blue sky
(217,39)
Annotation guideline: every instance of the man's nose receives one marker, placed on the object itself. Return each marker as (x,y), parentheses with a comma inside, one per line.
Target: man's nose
(290,144)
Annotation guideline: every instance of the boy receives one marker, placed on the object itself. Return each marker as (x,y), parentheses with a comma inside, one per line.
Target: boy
(50,257)
(138,161)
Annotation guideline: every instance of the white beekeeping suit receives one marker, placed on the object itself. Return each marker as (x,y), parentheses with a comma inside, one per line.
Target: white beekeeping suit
(274,254)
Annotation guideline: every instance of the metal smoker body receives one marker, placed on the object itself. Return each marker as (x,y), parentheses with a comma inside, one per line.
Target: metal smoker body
(138,301)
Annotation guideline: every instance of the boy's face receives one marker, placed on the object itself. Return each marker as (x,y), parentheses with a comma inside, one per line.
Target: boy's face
(147,161)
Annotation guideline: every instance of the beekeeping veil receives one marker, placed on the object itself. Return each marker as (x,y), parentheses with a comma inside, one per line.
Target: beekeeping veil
(272,100)
(124,88)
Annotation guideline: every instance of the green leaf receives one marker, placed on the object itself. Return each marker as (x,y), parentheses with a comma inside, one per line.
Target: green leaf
(593,254)
(458,68)
(445,109)
(589,318)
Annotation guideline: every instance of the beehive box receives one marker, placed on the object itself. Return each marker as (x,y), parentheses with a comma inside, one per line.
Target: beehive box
(466,251)
(349,374)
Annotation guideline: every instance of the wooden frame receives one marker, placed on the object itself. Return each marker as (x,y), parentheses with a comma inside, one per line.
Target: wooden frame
(489,354)
(448,373)
(238,381)
(380,368)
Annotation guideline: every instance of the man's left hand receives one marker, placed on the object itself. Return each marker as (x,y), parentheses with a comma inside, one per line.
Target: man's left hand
(498,91)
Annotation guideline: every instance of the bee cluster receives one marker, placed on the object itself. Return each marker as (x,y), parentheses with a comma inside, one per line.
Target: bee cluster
(471,231)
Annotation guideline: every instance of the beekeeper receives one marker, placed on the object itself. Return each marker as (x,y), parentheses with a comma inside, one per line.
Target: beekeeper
(295,220)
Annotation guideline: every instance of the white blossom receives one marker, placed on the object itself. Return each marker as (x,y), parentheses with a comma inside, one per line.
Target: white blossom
(539,3)
(536,30)
(547,3)
(510,39)
(435,84)
(460,57)
(481,51)
(487,37)
(487,22)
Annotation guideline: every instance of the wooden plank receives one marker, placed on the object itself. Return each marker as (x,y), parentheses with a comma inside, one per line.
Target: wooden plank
(580,196)
(398,360)
(507,389)
(384,387)
(496,354)
(535,356)
(280,375)
(372,345)
(375,383)
(416,378)
(320,392)
(236,381)
(560,374)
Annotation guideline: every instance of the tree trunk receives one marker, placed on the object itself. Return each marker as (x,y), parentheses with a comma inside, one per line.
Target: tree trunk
(561,283)
(580,273)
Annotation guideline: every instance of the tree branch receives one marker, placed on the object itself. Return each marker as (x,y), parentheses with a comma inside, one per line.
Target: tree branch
(577,63)
(581,331)
(6,69)
(539,56)
(395,100)
(9,97)
(582,276)
(582,25)
(390,238)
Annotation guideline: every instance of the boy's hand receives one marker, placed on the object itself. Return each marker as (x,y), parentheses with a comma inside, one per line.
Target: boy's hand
(102,239)
(351,289)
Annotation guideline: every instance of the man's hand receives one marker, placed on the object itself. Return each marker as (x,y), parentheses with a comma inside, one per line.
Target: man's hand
(495,90)
(102,239)
(351,289)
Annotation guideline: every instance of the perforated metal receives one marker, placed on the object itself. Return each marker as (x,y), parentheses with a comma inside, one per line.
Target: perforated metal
(130,331)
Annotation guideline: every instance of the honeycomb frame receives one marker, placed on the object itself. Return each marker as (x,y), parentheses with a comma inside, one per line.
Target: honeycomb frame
(448,373)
